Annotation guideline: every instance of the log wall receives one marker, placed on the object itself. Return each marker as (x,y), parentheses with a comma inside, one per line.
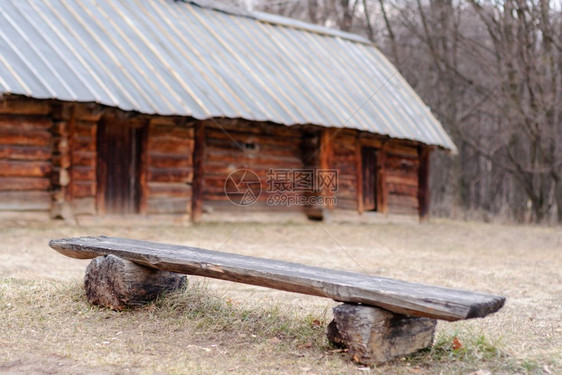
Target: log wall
(397,174)
(48,161)
(26,144)
(83,153)
(169,168)
(344,159)
(236,144)
(401,178)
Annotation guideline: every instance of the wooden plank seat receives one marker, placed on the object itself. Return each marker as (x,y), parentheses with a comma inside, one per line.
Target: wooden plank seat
(367,299)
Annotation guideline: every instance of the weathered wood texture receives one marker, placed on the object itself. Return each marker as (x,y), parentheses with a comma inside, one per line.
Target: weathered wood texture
(423,182)
(52,146)
(397,296)
(395,173)
(119,166)
(118,283)
(236,144)
(198,172)
(82,138)
(369,177)
(374,336)
(25,156)
(311,158)
(169,165)
(401,178)
(346,163)
(326,156)
(23,106)
(63,126)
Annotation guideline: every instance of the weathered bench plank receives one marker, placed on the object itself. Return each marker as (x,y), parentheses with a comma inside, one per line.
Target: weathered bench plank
(397,296)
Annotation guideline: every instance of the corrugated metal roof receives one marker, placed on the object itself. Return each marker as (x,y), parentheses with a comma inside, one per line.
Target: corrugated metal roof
(194,59)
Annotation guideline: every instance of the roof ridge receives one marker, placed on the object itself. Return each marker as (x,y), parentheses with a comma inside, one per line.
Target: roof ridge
(277,20)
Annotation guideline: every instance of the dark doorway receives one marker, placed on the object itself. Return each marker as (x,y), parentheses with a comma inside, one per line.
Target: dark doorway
(369,163)
(119,145)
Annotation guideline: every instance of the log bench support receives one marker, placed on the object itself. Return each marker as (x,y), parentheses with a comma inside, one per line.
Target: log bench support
(380,318)
(117,283)
(373,335)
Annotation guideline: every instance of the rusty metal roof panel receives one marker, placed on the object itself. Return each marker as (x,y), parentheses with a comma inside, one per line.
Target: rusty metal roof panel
(202,59)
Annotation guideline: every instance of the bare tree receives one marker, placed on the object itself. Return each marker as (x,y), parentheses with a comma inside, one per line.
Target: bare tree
(492,73)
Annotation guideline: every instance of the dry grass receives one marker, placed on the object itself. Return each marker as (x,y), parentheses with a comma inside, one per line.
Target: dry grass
(219,327)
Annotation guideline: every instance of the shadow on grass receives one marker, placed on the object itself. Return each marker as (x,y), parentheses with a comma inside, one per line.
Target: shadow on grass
(210,312)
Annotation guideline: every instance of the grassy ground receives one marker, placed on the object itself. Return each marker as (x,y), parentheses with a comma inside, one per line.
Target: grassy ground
(220,327)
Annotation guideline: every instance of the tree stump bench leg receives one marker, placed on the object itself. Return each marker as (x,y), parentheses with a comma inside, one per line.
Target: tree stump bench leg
(118,283)
(373,335)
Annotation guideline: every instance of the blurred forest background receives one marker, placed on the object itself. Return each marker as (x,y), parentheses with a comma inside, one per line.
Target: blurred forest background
(491,71)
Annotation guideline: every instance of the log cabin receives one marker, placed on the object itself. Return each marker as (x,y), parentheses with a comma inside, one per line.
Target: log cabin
(145,108)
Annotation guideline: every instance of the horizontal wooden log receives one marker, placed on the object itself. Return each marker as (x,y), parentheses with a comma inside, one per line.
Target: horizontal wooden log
(170,146)
(258,166)
(117,283)
(25,122)
(403,164)
(10,168)
(344,154)
(24,183)
(85,129)
(400,189)
(167,161)
(184,174)
(84,144)
(251,127)
(167,189)
(394,150)
(83,173)
(82,189)
(24,106)
(88,112)
(25,137)
(24,152)
(84,158)
(168,121)
(345,139)
(227,148)
(25,200)
(273,139)
(167,131)
(397,296)
(401,179)
(223,171)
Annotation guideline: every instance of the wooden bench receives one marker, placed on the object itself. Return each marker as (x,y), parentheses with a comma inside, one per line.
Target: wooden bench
(379,319)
